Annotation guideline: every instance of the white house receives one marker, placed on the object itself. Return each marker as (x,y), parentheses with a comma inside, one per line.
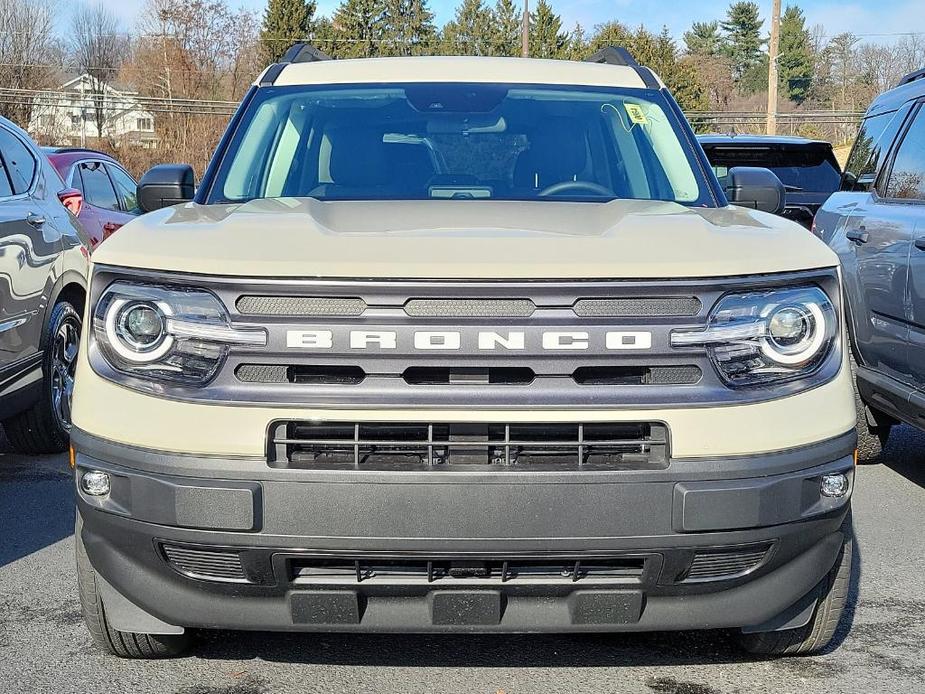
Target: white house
(68,114)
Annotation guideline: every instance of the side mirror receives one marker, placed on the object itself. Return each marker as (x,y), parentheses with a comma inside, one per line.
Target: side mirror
(755,187)
(165,185)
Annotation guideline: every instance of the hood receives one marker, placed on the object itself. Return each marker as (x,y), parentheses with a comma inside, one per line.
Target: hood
(463,239)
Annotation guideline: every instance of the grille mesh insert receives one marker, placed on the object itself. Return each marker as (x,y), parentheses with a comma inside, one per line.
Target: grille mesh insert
(209,564)
(641,307)
(300,306)
(470,308)
(717,565)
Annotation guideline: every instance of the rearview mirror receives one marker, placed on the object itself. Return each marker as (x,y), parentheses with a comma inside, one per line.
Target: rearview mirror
(165,185)
(755,187)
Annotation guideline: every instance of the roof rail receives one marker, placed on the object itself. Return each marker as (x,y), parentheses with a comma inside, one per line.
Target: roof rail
(613,55)
(297,53)
(911,77)
(618,55)
(303,53)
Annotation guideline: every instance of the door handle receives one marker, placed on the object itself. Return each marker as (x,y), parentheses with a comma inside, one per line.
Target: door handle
(920,243)
(859,236)
(35,220)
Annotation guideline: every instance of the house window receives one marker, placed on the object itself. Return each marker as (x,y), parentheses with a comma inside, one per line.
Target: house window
(75,120)
(144,124)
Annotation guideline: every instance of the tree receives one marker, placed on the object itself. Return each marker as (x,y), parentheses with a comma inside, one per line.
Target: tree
(284,22)
(506,36)
(407,28)
(547,40)
(743,42)
(703,39)
(359,25)
(469,33)
(27,46)
(795,60)
(577,46)
(98,49)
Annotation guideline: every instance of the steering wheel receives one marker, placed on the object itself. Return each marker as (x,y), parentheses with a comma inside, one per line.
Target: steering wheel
(568,186)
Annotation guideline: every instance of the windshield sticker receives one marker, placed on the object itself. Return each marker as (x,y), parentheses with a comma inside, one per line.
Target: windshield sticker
(636,114)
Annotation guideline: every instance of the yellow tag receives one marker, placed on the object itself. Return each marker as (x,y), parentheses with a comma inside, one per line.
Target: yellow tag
(635,112)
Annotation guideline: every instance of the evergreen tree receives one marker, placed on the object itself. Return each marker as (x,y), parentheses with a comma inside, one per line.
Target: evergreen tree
(547,40)
(469,33)
(795,59)
(506,34)
(407,28)
(284,23)
(577,46)
(610,34)
(742,28)
(703,39)
(359,26)
(324,37)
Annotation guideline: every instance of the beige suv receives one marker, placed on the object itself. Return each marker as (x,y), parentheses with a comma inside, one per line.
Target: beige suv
(462,344)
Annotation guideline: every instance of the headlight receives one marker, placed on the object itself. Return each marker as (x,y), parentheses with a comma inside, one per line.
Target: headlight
(769,336)
(165,333)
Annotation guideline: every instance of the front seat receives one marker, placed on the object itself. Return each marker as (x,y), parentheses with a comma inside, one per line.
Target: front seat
(358,165)
(556,153)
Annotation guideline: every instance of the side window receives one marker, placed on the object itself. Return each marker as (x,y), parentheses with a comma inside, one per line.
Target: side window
(97,187)
(874,139)
(907,177)
(126,188)
(18,160)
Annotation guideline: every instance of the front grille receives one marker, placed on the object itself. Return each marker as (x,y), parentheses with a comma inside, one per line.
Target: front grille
(636,375)
(303,373)
(428,446)
(713,565)
(470,308)
(304,570)
(300,306)
(207,564)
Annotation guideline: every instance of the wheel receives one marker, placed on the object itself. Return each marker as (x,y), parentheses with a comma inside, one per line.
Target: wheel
(46,426)
(873,427)
(819,631)
(125,644)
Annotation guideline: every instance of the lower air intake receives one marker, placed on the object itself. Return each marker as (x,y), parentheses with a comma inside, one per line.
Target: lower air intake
(716,565)
(438,445)
(206,564)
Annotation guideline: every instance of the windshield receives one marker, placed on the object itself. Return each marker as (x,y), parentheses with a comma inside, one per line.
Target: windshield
(459,141)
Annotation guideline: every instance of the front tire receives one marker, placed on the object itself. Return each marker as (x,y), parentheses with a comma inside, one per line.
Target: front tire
(46,426)
(125,644)
(818,633)
(872,437)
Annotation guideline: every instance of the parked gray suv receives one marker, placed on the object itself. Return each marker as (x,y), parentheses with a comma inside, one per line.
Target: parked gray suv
(43,268)
(876,224)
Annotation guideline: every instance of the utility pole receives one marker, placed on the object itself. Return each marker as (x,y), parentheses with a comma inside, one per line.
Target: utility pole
(773,47)
(525,31)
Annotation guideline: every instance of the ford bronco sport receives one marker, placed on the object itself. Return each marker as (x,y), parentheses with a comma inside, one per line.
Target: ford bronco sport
(462,344)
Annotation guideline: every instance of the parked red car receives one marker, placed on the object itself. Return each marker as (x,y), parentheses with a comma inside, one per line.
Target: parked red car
(109,192)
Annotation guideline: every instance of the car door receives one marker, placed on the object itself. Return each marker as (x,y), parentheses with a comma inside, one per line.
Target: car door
(28,252)
(127,192)
(906,187)
(880,232)
(102,213)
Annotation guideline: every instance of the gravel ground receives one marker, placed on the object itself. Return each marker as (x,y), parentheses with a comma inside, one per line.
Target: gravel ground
(45,648)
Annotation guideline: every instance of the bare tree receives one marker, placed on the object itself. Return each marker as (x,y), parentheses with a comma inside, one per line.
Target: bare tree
(99,49)
(27,49)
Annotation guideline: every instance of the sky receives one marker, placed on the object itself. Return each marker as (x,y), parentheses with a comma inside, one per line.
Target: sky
(880,20)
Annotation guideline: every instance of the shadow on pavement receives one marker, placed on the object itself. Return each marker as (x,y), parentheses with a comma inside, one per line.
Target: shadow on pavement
(36,503)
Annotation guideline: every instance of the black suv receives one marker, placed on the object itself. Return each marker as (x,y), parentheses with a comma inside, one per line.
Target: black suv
(43,268)
(807,168)
(876,224)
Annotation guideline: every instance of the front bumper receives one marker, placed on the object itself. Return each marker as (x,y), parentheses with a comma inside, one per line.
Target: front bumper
(444,551)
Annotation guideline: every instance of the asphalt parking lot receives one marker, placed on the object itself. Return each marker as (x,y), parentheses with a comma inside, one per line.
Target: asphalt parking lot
(45,648)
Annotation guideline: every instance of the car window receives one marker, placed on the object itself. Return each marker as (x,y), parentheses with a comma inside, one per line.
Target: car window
(870,147)
(18,160)
(460,141)
(126,188)
(907,177)
(97,188)
(810,169)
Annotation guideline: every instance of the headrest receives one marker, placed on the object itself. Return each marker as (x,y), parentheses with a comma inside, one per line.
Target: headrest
(357,157)
(556,153)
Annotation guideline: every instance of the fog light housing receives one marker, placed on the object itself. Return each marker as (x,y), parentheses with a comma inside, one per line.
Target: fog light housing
(95,483)
(834,486)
